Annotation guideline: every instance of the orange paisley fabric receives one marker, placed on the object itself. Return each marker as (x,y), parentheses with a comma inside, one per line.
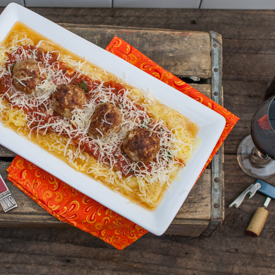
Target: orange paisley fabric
(75,208)
(71,206)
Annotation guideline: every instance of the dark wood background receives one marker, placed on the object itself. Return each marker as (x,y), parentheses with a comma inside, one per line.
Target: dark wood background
(248,66)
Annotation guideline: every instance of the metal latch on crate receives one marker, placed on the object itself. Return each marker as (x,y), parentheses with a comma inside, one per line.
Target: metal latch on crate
(257,222)
(6,199)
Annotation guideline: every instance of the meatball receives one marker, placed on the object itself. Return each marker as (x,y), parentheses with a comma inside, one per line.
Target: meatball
(66,98)
(141,145)
(27,74)
(106,119)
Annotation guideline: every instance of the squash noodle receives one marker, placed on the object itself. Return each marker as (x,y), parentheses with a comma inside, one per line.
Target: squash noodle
(177,133)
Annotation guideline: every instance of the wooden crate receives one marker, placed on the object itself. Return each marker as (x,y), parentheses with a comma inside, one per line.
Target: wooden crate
(188,55)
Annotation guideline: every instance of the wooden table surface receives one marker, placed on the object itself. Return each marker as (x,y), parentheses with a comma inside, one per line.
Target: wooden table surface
(248,66)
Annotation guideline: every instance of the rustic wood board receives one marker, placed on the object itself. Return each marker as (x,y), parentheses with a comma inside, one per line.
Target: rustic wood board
(247,36)
(184,54)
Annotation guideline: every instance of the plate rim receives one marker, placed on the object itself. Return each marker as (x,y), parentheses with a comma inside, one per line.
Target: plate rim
(157,230)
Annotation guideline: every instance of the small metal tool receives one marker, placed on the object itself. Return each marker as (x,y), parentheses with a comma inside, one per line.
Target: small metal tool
(251,190)
(6,199)
(258,220)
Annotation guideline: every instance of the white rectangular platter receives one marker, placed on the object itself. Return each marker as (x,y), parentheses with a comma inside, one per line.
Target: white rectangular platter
(210,123)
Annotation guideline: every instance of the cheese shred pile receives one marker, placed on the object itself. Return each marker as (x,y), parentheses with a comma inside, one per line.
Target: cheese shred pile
(144,186)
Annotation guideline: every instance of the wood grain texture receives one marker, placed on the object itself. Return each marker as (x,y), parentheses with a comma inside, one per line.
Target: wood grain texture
(231,24)
(241,98)
(238,28)
(246,35)
(4,152)
(183,53)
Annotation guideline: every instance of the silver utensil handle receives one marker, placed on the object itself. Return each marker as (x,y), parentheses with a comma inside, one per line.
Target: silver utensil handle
(252,189)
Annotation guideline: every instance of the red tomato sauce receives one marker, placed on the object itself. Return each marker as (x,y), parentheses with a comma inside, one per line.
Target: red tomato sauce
(88,86)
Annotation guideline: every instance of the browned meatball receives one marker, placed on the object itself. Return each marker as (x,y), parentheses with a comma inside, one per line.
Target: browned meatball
(141,145)
(66,98)
(27,75)
(106,119)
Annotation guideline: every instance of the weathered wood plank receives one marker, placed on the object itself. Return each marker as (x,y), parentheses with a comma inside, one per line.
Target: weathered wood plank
(242,98)
(182,53)
(4,152)
(191,228)
(250,46)
(229,251)
(232,24)
(249,67)
(255,63)
(70,251)
(247,54)
(239,24)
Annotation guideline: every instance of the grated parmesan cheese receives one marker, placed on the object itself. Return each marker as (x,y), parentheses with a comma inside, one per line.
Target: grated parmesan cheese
(174,142)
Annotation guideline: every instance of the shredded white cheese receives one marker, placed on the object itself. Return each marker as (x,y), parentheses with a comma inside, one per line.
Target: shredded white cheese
(76,127)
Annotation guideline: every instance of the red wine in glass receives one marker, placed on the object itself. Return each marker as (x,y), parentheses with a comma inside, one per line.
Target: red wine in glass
(263,129)
(256,153)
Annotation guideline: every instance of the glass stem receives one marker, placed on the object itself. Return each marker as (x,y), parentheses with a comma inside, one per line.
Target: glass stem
(257,158)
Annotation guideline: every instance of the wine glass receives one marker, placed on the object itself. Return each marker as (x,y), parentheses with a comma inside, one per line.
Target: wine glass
(256,153)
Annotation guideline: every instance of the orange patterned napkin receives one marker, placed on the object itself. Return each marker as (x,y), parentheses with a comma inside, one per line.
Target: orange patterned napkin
(73,207)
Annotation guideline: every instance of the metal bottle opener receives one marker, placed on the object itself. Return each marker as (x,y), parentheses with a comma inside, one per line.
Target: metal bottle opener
(251,190)
(258,220)
(261,186)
